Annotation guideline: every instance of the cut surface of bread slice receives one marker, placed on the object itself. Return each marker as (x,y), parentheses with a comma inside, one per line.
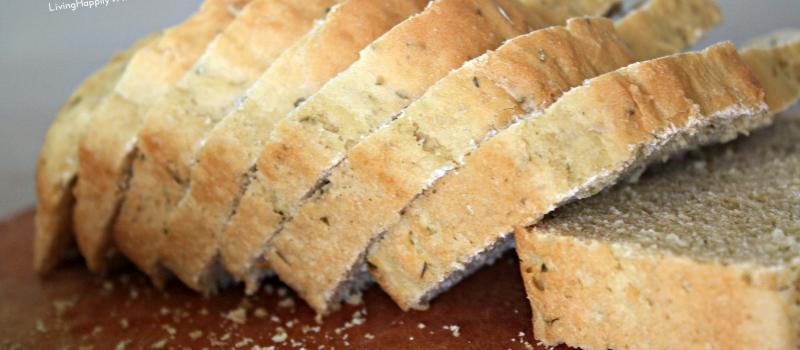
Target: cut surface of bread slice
(105,150)
(230,150)
(699,252)
(702,253)
(57,166)
(390,74)
(401,283)
(174,127)
(325,242)
(585,141)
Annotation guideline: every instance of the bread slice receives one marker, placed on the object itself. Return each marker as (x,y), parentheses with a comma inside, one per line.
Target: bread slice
(700,253)
(228,154)
(57,167)
(105,150)
(396,187)
(433,135)
(390,74)
(585,141)
(174,127)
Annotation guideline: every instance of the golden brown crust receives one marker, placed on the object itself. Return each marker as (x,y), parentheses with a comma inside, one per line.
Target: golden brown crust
(175,126)
(392,166)
(597,295)
(584,142)
(57,166)
(229,151)
(105,152)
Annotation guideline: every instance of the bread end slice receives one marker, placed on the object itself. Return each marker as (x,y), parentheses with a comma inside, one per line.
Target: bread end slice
(599,295)
(57,166)
(702,252)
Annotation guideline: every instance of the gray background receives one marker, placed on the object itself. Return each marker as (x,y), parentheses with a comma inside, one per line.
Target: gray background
(44,55)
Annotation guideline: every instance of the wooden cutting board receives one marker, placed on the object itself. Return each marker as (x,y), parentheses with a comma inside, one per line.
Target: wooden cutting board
(73,309)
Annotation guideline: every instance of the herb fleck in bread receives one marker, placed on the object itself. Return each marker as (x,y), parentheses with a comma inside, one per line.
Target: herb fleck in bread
(174,127)
(105,150)
(391,73)
(585,141)
(57,167)
(700,253)
(224,163)
(434,134)
(401,279)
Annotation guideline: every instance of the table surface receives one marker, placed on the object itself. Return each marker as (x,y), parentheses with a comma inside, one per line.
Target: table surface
(73,308)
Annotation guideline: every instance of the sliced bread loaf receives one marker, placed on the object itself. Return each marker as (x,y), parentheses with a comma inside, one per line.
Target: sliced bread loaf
(173,127)
(105,151)
(699,253)
(585,141)
(228,155)
(387,170)
(391,73)
(57,167)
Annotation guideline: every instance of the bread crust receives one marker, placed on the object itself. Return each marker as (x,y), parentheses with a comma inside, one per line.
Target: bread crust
(434,134)
(597,295)
(105,152)
(585,141)
(174,127)
(57,166)
(227,159)
(391,73)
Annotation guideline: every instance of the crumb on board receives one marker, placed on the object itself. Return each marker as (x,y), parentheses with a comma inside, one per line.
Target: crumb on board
(243,342)
(280,336)
(454,329)
(421,325)
(355,299)
(123,322)
(169,329)
(238,315)
(260,312)
(160,344)
(287,302)
(122,344)
(40,326)
(64,305)
(195,334)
